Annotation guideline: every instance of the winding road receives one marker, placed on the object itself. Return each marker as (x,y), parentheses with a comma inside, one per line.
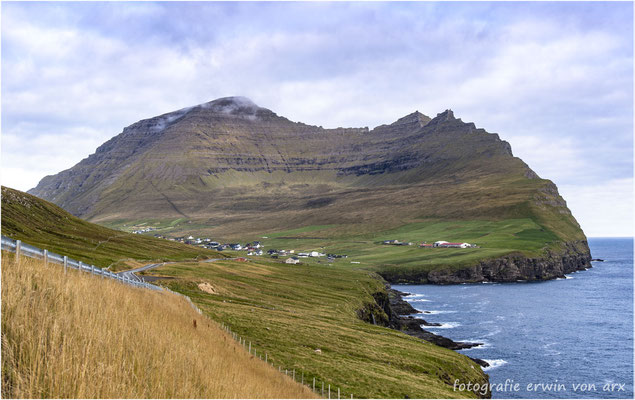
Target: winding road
(130,274)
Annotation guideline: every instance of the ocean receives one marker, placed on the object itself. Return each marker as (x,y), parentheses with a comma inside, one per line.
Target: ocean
(566,338)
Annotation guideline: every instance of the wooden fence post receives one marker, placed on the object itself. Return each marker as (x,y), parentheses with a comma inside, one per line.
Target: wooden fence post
(314,384)
(79,266)
(18,250)
(65,263)
(249,347)
(338,393)
(303,377)
(46,258)
(329,390)
(266,357)
(294,374)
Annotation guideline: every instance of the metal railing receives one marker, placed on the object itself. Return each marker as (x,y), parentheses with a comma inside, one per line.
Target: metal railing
(27,250)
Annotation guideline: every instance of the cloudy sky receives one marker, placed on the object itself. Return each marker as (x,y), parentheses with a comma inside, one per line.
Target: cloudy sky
(553,79)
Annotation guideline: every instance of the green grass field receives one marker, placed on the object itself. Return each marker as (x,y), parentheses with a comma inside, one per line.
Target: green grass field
(288,312)
(494,238)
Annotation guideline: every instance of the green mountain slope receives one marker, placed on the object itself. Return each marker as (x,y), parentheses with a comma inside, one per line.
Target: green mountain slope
(40,223)
(290,311)
(233,170)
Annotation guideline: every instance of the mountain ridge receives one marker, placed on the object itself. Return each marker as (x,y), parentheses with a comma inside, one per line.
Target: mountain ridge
(231,169)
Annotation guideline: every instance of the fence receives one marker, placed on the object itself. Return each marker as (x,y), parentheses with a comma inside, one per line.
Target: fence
(322,388)
(23,249)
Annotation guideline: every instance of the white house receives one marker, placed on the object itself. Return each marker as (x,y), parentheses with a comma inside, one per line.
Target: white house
(316,254)
(439,243)
(303,255)
(455,245)
(292,260)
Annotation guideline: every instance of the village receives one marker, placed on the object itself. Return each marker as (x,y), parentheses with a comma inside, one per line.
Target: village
(256,248)
(440,244)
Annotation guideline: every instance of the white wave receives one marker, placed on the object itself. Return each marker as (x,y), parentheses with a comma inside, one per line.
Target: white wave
(494,364)
(413,296)
(484,344)
(568,277)
(434,312)
(493,333)
(444,325)
(549,351)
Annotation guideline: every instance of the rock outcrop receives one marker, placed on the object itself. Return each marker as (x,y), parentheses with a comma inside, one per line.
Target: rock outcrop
(390,310)
(511,268)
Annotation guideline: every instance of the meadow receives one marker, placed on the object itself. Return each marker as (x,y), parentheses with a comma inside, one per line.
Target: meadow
(493,238)
(307,318)
(76,335)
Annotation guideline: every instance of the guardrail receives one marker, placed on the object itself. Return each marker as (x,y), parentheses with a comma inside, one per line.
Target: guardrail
(27,250)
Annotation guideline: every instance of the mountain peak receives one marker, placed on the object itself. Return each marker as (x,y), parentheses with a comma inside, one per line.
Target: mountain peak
(446,115)
(234,105)
(238,101)
(413,118)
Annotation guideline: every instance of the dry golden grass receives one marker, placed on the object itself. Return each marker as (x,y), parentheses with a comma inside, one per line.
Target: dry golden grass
(78,336)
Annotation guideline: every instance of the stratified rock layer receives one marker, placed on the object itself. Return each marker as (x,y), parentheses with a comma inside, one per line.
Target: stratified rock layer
(239,170)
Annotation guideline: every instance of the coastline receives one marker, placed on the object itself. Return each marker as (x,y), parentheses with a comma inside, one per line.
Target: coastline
(401,319)
(514,267)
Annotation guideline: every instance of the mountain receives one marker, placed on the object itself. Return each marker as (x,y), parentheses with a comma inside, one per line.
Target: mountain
(232,169)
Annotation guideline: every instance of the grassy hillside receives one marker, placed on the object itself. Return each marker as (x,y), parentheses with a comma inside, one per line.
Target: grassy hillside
(46,225)
(494,238)
(78,336)
(503,216)
(289,312)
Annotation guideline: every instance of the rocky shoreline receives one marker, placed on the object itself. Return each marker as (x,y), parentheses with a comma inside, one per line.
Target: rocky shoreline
(401,319)
(574,256)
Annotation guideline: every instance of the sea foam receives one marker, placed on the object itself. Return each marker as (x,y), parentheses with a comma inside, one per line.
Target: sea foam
(494,364)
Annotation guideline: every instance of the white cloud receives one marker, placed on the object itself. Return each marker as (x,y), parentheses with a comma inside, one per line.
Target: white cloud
(557,87)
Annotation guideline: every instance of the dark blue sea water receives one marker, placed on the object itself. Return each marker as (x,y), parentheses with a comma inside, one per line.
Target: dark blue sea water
(564,332)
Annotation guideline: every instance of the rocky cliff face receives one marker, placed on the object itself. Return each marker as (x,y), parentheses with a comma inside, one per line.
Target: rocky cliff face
(573,257)
(233,142)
